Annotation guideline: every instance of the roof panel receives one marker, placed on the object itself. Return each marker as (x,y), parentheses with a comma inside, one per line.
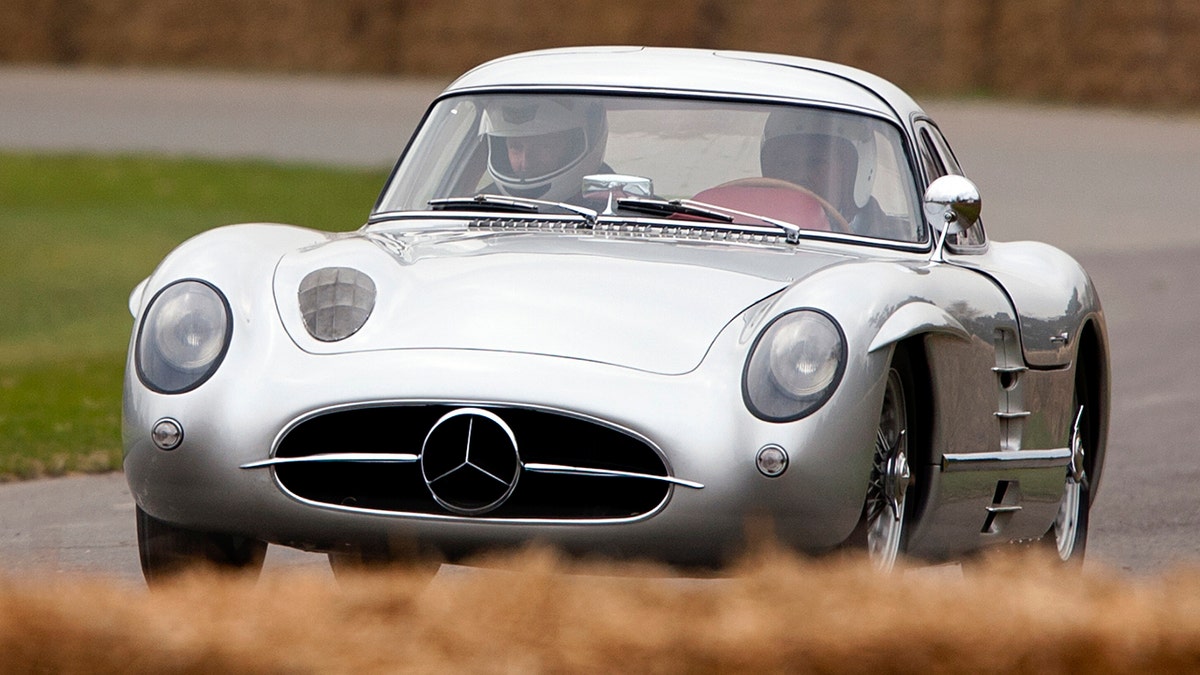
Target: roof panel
(692,70)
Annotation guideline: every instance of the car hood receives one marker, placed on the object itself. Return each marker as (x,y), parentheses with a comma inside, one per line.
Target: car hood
(643,304)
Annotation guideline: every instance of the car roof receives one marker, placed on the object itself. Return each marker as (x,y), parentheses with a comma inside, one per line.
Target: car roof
(692,71)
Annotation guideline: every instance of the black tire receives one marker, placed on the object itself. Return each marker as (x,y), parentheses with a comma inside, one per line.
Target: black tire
(883,527)
(1067,537)
(166,550)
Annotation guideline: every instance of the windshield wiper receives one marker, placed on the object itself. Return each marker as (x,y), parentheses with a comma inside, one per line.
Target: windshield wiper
(672,207)
(687,207)
(482,202)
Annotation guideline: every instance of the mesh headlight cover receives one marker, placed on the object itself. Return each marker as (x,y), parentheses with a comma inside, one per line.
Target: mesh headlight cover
(335,302)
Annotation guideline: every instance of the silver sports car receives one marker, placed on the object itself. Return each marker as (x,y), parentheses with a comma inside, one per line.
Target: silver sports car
(625,301)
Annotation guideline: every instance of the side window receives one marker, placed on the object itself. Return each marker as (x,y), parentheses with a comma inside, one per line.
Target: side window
(933,164)
(939,161)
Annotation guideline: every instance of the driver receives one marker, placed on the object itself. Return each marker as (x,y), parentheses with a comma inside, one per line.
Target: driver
(833,154)
(542,147)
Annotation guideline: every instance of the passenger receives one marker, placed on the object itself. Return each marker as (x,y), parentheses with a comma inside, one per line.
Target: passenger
(833,155)
(541,147)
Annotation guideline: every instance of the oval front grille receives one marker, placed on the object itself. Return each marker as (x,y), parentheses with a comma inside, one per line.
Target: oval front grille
(543,438)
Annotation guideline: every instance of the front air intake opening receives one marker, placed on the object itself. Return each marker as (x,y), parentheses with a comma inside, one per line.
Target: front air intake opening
(542,437)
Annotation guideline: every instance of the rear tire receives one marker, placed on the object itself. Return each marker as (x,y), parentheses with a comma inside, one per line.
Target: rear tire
(1068,535)
(166,550)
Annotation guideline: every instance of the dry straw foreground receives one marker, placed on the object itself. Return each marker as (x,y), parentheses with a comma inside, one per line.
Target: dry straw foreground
(534,612)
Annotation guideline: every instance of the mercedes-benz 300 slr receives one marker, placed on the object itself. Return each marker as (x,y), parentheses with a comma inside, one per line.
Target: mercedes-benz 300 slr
(625,301)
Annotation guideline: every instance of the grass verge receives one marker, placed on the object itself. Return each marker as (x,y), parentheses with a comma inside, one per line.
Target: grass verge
(79,232)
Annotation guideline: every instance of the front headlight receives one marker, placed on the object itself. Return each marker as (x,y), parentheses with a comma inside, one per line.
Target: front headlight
(183,337)
(794,366)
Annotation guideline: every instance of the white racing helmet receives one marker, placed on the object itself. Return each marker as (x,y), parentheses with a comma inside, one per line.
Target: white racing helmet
(578,127)
(829,125)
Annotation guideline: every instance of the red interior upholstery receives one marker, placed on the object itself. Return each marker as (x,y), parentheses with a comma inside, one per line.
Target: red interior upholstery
(793,206)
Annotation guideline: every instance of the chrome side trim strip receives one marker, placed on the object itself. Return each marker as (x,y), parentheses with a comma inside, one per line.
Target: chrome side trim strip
(1003,509)
(1017,414)
(357,457)
(1007,460)
(585,471)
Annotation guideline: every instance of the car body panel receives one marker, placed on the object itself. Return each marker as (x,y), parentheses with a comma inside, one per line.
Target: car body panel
(637,325)
(565,295)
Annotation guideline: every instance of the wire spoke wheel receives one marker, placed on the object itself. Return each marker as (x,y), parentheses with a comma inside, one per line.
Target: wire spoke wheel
(1068,535)
(1066,525)
(890,478)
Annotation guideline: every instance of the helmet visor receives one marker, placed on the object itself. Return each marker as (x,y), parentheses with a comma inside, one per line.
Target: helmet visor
(529,160)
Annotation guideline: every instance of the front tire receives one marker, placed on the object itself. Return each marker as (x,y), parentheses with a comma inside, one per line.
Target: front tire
(166,550)
(883,528)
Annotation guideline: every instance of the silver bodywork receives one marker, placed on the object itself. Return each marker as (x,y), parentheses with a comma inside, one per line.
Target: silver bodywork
(644,331)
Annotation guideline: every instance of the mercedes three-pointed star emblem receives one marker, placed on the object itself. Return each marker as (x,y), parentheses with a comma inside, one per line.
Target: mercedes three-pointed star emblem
(470,461)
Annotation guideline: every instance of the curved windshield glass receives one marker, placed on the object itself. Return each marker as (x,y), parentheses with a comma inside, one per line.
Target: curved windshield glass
(815,168)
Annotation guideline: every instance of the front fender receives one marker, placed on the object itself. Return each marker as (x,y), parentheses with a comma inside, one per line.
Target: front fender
(237,259)
(916,318)
(1051,292)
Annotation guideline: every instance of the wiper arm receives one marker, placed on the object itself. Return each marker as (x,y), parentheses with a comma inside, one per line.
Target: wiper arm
(674,206)
(483,202)
(689,207)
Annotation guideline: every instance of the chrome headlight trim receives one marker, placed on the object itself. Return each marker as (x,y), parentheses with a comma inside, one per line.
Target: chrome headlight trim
(335,302)
(183,337)
(794,366)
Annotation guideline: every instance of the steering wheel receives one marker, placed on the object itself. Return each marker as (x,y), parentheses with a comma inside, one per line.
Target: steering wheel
(840,223)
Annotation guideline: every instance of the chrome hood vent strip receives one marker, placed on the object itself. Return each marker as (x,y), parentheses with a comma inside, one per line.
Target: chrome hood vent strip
(697,230)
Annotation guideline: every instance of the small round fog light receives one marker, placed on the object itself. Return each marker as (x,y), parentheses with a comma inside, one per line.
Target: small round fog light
(772,460)
(167,434)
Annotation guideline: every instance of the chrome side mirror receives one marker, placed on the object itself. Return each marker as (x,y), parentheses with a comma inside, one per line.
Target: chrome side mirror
(952,204)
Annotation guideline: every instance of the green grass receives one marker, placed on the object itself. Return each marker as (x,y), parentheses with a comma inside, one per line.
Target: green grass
(76,234)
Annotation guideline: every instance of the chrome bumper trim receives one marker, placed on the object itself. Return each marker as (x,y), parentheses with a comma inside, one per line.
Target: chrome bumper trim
(406,458)
(585,471)
(1011,459)
(354,457)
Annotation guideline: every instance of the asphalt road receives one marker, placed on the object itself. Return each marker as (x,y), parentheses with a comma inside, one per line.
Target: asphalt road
(1120,191)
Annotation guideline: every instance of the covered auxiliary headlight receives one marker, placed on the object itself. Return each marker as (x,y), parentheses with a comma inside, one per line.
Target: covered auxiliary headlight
(794,366)
(183,337)
(335,302)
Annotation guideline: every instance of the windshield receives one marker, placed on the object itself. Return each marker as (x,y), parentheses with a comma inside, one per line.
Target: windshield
(815,168)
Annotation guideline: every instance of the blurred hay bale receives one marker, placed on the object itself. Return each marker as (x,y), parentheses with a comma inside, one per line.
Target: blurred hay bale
(534,611)
(1124,52)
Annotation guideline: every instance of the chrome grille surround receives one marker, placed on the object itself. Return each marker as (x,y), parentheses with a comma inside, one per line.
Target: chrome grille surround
(572,469)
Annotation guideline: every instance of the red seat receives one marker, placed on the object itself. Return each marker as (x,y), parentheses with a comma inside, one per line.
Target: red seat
(780,203)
